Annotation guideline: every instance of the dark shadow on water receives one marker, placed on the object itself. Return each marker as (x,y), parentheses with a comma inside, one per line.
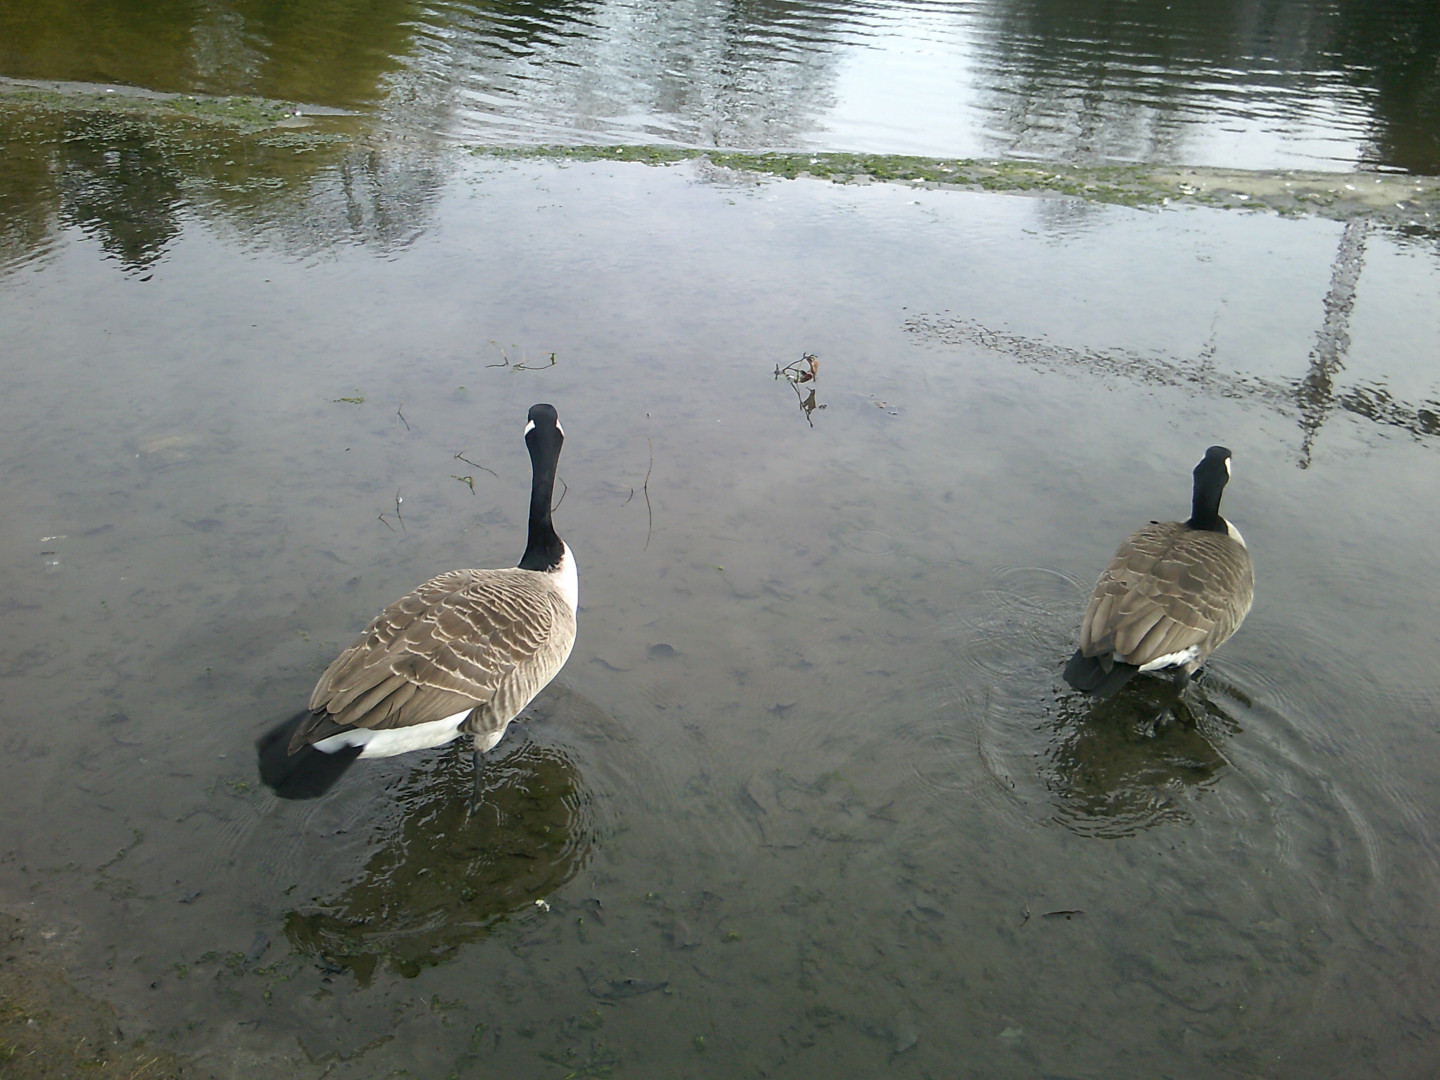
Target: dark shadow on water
(447,866)
(1128,763)
(306,774)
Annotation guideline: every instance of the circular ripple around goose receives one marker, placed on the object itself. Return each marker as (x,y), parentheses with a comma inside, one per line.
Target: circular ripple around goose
(1270,834)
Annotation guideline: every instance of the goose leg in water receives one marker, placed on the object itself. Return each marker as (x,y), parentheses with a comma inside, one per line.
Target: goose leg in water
(479,760)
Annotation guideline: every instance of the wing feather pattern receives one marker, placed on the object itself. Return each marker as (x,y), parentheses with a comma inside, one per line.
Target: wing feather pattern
(1167,590)
(486,640)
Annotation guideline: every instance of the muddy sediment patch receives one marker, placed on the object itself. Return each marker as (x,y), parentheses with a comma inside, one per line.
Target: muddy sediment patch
(51,1028)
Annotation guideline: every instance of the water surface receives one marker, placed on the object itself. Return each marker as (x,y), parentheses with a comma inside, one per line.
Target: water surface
(809,797)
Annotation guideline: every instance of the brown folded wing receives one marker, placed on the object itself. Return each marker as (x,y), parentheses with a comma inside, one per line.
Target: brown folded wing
(482,639)
(1167,589)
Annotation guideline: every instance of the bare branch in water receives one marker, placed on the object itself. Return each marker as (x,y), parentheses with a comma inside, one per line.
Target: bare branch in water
(523,364)
(649,513)
(475,464)
(504,360)
(402,415)
(465,480)
(563,493)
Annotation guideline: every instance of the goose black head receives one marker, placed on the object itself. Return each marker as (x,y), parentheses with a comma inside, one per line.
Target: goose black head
(542,427)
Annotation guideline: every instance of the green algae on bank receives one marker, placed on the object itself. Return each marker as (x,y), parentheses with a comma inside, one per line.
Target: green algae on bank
(243,114)
(1396,196)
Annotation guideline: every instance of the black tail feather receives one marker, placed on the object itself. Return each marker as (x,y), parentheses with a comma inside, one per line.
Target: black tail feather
(306,774)
(1088,675)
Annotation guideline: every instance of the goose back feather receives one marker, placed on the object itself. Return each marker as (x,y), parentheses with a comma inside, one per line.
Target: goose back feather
(1172,593)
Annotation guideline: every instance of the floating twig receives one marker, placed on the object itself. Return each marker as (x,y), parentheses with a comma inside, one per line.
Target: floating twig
(536,367)
(465,480)
(398,516)
(475,464)
(522,365)
(649,513)
(402,415)
(565,490)
(504,360)
(381,518)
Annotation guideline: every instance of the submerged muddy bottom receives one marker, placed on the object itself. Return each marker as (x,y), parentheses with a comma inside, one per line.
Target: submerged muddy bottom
(810,797)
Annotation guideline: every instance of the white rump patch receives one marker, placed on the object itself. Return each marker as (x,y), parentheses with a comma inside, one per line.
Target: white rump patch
(1174,659)
(392,741)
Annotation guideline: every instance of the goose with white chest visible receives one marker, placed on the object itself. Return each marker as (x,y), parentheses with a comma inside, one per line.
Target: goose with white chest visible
(460,655)
(1174,591)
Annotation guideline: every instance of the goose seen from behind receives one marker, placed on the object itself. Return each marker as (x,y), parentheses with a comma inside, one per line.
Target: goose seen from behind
(460,655)
(1174,591)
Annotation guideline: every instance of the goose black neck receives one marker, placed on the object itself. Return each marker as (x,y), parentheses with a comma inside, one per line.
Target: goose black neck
(1211,475)
(543,549)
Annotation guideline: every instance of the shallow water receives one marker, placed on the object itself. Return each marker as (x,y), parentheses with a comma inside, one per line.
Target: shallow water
(810,797)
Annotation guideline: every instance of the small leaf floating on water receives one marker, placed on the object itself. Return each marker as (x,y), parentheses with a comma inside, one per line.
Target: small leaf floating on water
(806,369)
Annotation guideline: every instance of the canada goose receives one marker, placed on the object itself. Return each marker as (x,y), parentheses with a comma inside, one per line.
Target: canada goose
(1173,592)
(462,654)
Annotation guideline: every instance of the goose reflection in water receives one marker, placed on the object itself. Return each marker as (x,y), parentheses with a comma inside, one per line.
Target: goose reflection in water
(1113,771)
(446,866)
